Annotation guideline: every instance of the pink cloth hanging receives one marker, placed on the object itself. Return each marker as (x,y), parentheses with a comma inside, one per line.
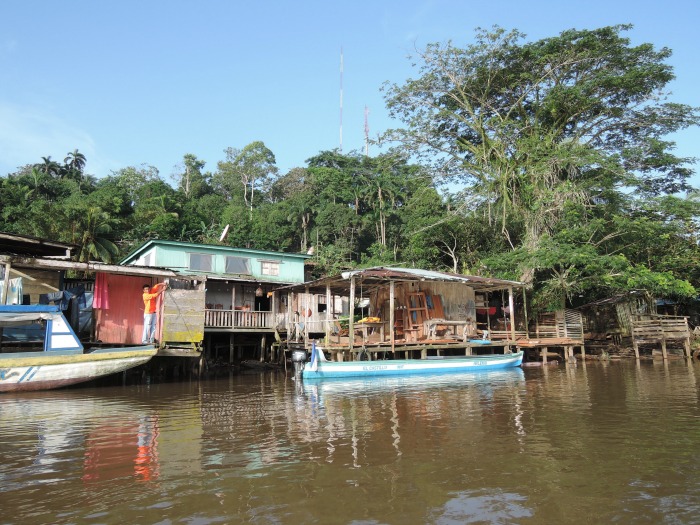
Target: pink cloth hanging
(101,294)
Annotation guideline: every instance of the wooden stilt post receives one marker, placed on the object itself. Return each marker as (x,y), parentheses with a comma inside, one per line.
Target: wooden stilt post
(233,306)
(511,307)
(663,347)
(307,302)
(351,320)
(230,348)
(328,313)
(392,315)
(5,284)
(274,308)
(291,304)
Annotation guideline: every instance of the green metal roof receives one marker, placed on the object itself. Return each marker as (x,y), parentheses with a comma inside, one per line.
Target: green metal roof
(216,247)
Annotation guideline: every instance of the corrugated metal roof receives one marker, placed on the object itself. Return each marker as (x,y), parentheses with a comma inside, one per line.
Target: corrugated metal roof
(413,273)
(380,276)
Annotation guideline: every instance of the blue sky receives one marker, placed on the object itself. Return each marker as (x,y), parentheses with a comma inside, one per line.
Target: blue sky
(130,83)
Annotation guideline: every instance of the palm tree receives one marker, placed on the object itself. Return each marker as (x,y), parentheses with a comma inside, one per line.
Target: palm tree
(93,241)
(49,167)
(75,161)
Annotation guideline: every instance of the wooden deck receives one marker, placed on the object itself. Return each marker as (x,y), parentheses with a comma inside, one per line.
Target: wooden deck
(550,347)
(558,334)
(660,330)
(407,349)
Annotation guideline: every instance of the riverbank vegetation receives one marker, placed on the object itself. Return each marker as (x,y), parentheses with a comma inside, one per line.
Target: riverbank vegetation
(549,162)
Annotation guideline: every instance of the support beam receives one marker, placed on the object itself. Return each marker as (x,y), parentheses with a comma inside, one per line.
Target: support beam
(511,306)
(351,320)
(664,353)
(527,321)
(5,284)
(307,309)
(392,315)
(291,304)
(328,313)
(274,308)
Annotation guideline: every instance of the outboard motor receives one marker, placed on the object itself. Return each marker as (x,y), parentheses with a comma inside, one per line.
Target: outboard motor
(299,359)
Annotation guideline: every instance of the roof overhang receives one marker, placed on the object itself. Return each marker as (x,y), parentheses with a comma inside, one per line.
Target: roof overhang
(89,267)
(247,280)
(34,246)
(380,277)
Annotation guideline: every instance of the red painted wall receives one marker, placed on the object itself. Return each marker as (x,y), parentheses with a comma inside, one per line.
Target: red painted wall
(122,322)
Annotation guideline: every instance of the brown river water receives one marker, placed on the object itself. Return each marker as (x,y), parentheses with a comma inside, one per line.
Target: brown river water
(601,442)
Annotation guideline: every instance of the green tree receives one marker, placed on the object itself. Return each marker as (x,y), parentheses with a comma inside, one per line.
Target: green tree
(253,168)
(49,167)
(549,137)
(92,230)
(75,161)
(190,179)
(532,127)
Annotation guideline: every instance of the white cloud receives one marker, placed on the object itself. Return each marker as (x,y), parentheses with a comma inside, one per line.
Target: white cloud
(27,134)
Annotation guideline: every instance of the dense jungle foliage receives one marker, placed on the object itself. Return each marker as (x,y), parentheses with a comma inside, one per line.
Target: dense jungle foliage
(547,162)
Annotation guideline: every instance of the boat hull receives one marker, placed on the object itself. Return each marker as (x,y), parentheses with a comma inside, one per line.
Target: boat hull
(47,370)
(319,369)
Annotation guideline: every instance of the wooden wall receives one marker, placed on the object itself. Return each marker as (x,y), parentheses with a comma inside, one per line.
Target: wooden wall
(45,281)
(183,316)
(457,299)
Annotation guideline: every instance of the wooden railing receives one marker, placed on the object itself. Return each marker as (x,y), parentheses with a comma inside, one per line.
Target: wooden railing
(215,318)
(562,324)
(658,329)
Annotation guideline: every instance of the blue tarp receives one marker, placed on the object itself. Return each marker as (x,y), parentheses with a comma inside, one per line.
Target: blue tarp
(29,308)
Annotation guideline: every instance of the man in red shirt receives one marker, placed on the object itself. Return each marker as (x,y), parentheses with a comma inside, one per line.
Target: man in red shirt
(150,297)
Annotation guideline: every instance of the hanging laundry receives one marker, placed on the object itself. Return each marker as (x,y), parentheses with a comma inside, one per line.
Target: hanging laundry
(14,292)
(101,293)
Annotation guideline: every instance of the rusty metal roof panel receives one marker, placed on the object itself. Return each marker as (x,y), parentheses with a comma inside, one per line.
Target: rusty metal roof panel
(378,276)
(428,275)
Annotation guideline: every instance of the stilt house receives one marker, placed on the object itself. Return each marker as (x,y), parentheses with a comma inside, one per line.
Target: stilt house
(407,310)
(243,313)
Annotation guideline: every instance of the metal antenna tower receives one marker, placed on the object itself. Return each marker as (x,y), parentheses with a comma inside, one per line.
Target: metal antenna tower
(341,99)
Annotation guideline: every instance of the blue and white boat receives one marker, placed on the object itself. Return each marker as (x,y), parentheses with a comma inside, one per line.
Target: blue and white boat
(63,360)
(319,368)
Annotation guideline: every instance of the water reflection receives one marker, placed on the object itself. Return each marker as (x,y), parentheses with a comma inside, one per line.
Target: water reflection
(352,412)
(614,442)
(117,438)
(485,381)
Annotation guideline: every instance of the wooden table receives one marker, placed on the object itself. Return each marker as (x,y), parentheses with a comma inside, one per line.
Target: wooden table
(366,326)
(432,324)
